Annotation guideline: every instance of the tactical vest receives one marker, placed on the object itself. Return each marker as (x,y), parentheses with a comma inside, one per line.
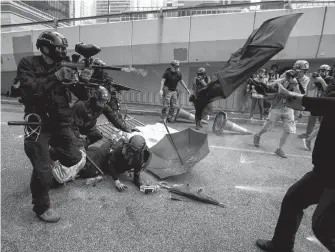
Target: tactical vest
(54,104)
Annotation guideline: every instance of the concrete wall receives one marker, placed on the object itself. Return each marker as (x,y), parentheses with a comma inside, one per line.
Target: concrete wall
(152,44)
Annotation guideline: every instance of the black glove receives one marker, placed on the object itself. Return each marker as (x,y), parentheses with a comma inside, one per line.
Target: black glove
(66,75)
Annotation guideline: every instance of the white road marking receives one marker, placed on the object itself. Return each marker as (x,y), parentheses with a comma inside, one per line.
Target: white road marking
(262,189)
(255,151)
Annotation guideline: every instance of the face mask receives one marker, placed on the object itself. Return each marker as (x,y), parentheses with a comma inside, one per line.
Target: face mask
(101,103)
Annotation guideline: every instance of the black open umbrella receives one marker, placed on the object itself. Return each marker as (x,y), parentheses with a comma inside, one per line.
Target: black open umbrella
(263,43)
(176,153)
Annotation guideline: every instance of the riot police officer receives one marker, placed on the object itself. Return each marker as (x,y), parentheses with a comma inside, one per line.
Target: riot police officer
(46,97)
(86,113)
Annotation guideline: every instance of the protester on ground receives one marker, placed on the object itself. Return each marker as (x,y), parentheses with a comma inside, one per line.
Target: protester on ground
(86,114)
(199,82)
(168,90)
(117,158)
(256,97)
(319,82)
(315,187)
(46,97)
(280,110)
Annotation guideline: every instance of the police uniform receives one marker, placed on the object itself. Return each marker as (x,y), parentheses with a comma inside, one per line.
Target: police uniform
(85,115)
(46,96)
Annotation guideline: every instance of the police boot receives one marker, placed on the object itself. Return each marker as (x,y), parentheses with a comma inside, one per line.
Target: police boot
(49,215)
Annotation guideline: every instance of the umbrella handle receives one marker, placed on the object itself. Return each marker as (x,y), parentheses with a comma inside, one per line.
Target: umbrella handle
(175,147)
(94,164)
(164,184)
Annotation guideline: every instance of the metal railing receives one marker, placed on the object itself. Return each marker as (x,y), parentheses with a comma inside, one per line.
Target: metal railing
(183,11)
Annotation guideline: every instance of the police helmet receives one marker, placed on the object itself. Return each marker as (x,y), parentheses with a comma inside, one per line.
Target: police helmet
(56,44)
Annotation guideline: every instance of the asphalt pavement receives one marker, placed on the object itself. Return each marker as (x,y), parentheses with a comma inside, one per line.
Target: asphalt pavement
(250,181)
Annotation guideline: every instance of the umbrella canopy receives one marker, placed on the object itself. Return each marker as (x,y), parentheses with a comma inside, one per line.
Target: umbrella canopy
(192,147)
(263,43)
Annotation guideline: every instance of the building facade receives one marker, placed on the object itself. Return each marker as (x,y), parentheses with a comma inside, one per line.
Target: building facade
(104,7)
(16,12)
(57,9)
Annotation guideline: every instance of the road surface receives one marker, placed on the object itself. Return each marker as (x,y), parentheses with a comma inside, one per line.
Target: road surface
(250,181)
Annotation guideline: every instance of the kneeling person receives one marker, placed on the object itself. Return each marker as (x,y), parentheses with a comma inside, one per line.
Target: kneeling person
(86,113)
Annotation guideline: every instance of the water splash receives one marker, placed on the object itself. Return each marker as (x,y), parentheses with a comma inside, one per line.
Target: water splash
(138,71)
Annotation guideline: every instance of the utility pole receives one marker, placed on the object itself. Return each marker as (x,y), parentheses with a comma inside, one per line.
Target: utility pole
(108,12)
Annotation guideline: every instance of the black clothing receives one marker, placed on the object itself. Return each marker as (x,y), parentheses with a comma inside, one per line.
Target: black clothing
(46,96)
(316,187)
(117,164)
(172,79)
(99,156)
(109,158)
(85,116)
(198,83)
(322,157)
(328,81)
(309,190)
(63,142)
(43,92)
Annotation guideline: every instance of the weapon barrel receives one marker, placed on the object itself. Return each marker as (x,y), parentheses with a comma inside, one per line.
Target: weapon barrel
(20,123)
(120,87)
(89,84)
(109,68)
(72,65)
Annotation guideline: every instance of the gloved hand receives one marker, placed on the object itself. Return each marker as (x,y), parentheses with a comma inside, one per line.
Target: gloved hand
(86,74)
(135,130)
(120,186)
(66,75)
(161,93)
